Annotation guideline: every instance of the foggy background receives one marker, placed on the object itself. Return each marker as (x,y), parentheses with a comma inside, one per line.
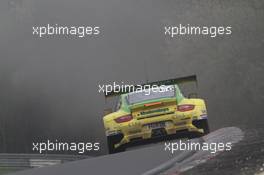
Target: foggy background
(49,86)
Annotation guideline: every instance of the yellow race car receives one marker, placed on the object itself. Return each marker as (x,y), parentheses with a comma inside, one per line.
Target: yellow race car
(150,114)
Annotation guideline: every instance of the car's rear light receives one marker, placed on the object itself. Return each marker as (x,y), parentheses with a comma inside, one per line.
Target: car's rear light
(123,119)
(187,107)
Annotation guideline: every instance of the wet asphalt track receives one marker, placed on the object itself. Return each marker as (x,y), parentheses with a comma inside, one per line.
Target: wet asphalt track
(246,157)
(127,163)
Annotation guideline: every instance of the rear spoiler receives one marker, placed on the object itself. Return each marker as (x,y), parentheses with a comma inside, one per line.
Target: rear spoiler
(180,80)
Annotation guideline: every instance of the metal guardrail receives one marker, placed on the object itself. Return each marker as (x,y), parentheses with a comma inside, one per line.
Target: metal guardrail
(24,161)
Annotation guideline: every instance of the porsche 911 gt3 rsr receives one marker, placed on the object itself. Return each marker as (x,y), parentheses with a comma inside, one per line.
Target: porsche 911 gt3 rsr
(158,113)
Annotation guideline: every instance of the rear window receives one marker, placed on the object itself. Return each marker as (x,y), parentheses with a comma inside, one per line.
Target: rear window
(151,94)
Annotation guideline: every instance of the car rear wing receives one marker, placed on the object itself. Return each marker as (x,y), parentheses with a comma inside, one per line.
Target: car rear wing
(173,81)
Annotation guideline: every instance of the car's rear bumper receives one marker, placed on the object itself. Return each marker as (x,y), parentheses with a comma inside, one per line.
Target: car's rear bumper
(178,129)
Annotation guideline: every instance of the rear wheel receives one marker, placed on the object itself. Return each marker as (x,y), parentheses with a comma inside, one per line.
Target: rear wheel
(202,124)
(205,127)
(111,141)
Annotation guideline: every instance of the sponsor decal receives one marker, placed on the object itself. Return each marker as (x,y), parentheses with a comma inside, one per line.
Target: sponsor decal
(154,111)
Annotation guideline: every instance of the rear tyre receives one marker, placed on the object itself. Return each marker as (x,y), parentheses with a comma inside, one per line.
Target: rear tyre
(205,126)
(202,124)
(111,141)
